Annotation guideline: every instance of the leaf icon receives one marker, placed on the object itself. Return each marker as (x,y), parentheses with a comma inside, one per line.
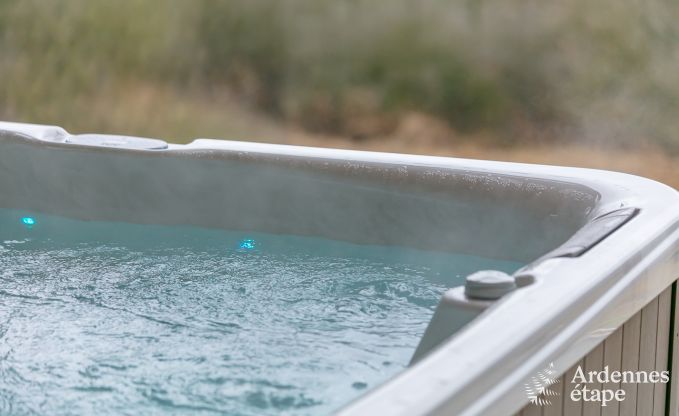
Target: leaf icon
(538,388)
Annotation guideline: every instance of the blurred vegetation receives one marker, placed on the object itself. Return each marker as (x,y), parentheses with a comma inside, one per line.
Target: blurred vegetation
(603,71)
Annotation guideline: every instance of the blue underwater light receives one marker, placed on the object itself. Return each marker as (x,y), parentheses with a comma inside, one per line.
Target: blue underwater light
(247,244)
(28,221)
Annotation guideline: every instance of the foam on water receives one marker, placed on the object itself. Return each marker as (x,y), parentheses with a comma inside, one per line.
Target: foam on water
(104,318)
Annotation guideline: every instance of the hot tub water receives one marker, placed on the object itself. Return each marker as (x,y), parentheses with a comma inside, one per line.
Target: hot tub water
(113,318)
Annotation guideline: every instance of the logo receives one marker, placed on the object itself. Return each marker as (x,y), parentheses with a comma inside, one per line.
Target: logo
(589,386)
(583,392)
(539,388)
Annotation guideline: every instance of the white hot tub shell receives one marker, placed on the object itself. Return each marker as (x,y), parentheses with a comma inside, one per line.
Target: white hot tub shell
(602,248)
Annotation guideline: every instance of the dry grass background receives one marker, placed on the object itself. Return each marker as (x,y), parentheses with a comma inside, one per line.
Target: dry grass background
(573,82)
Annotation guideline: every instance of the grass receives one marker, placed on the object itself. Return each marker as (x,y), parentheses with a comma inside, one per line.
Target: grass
(517,71)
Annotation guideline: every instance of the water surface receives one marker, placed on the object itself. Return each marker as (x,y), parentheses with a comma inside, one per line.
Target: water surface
(109,318)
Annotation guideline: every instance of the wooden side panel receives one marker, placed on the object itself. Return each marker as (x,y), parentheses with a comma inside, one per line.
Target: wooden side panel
(631,334)
(674,369)
(594,361)
(531,410)
(571,407)
(649,330)
(662,349)
(613,359)
(642,343)
(556,408)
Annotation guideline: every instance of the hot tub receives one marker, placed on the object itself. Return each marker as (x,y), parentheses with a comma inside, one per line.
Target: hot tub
(591,256)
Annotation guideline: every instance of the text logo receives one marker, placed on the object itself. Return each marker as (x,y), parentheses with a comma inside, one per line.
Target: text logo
(582,392)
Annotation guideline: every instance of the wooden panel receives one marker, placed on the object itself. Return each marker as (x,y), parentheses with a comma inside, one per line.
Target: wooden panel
(569,406)
(674,369)
(594,361)
(613,359)
(631,332)
(649,330)
(662,349)
(642,343)
(556,408)
(531,410)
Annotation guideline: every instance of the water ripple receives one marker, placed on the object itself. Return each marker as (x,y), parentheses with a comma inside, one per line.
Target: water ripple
(120,319)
